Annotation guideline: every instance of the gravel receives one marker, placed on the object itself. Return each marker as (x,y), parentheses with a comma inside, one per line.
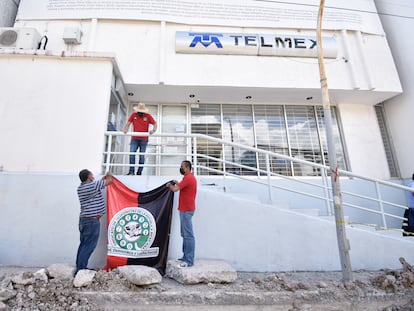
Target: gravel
(385,290)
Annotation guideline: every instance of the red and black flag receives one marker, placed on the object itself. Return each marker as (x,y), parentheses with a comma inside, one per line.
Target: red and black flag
(138,226)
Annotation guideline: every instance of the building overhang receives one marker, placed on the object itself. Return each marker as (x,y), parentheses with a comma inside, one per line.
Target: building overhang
(161,93)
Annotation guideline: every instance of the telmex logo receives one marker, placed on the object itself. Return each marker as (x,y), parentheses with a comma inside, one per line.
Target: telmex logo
(206,39)
(253,44)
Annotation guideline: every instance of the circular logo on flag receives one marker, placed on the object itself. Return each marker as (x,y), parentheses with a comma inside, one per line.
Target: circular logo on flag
(132,228)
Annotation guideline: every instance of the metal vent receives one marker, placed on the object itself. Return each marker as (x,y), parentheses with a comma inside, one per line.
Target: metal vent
(8,38)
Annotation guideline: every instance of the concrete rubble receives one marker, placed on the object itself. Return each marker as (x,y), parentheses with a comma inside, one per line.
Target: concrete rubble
(60,271)
(213,284)
(84,278)
(140,275)
(205,271)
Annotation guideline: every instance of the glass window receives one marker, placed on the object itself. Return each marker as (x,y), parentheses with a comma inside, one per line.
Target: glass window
(303,137)
(271,134)
(238,128)
(153,142)
(297,131)
(339,149)
(116,121)
(173,149)
(206,119)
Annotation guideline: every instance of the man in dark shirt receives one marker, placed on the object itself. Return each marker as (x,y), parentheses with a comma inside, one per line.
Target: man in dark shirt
(408,225)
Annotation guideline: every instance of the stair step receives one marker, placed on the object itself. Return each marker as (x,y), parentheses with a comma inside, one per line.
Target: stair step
(280,204)
(307,211)
(375,228)
(246,196)
(332,218)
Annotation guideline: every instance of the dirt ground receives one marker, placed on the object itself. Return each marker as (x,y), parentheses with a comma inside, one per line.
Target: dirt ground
(385,290)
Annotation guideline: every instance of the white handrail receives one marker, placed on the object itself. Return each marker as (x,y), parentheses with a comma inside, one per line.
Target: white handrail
(258,173)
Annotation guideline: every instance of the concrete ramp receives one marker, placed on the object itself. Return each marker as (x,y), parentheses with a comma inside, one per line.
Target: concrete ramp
(253,236)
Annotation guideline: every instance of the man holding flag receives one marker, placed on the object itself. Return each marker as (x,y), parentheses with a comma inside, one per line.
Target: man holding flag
(186,207)
(92,205)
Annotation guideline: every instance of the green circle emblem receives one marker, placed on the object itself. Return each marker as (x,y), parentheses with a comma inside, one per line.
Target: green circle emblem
(132,228)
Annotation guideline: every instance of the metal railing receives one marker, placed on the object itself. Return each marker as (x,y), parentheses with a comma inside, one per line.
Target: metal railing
(377,200)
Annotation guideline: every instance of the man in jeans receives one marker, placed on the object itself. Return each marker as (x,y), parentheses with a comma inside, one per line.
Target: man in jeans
(92,205)
(140,120)
(186,207)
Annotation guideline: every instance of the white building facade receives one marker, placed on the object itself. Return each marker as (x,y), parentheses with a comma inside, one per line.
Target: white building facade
(268,62)
(397,18)
(242,72)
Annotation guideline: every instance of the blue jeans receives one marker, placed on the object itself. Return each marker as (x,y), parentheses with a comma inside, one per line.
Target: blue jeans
(89,234)
(188,236)
(135,144)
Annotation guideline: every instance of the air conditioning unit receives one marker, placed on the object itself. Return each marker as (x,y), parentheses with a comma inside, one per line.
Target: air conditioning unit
(19,38)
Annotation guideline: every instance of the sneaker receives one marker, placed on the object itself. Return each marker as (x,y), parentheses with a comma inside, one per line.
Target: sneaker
(184,265)
(181,259)
(130,173)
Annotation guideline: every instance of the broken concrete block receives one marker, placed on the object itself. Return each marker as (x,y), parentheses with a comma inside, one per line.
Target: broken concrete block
(84,278)
(203,271)
(60,271)
(140,275)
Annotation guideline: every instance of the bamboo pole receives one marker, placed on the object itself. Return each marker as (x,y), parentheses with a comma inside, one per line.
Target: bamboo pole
(343,243)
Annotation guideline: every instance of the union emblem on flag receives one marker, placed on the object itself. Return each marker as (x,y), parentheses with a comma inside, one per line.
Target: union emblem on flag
(139,226)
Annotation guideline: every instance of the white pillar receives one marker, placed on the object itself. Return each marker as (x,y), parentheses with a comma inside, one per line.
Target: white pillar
(8,11)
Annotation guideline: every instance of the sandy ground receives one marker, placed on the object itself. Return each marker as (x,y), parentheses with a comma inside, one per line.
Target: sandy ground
(386,290)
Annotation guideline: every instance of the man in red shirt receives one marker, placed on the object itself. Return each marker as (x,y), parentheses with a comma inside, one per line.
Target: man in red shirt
(140,120)
(186,207)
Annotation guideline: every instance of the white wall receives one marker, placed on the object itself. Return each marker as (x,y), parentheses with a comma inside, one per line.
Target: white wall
(54,112)
(39,226)
(363,141)
(400,110)
(146,55)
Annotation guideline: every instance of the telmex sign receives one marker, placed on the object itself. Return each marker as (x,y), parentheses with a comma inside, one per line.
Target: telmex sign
(253,44)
